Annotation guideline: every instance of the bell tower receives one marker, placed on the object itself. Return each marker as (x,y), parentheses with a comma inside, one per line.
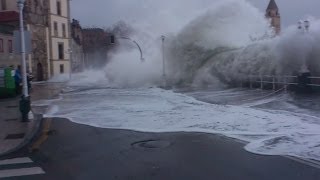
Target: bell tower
(272,13)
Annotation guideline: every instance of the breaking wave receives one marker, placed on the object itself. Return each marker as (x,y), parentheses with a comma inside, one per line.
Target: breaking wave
(226,43)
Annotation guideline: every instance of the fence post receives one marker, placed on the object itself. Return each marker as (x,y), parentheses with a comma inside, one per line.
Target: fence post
(261,83)
(273,82)
(285,84)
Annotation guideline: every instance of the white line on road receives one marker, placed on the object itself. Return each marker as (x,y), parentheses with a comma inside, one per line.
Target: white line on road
(21,172)
(15,161)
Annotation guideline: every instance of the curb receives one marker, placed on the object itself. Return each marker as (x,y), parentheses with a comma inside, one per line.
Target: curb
(38,118)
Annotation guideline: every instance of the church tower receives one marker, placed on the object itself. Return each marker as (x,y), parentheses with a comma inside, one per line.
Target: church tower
(272,13)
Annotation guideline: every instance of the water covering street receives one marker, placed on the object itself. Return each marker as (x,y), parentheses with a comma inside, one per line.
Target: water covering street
(271,124)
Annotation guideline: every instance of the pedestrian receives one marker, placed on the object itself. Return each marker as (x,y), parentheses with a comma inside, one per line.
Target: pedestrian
(29,79)
(18,80)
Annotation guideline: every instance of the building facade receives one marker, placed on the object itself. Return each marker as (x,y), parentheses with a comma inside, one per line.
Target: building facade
(272,13)
(8,5)
(7,56)
(77,55)
(49,24)
(60,41)
(36,20)
(95,46)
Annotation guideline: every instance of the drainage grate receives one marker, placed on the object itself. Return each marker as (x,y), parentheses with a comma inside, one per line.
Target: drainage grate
(151,144)
(15,136)
(8,120)
(14,106)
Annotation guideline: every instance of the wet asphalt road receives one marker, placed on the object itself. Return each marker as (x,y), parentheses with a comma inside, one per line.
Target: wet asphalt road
(80,152)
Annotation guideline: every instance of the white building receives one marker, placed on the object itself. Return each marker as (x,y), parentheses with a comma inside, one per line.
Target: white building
(60,41)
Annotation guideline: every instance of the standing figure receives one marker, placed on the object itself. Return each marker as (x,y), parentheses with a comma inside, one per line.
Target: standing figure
(18,80)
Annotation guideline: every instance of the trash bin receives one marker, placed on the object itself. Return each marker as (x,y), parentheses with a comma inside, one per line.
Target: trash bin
(10,82)
(7,83)
(2,83)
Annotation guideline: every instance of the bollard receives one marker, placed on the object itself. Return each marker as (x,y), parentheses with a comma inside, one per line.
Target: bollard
(25,107)
(303,83)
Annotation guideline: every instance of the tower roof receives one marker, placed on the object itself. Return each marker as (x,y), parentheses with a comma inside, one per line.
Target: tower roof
(272,5)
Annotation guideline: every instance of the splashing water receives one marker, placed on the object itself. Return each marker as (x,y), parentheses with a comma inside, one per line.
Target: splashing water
(223,43)
(226,42)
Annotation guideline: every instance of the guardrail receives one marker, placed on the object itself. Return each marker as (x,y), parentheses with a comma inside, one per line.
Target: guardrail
(279,82)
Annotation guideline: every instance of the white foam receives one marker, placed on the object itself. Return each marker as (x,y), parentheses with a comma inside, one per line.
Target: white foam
(157,110)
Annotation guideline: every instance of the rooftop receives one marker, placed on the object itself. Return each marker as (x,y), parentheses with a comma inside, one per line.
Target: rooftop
(272,5)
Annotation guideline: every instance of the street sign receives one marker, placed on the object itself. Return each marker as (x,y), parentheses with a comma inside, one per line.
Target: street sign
(17,42)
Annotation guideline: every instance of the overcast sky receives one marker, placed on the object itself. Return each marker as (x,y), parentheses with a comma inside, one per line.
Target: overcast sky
(106,12)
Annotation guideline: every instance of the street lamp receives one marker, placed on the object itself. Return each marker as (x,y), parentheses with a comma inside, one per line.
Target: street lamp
(25,100)
(299,24)
(71,62)
(163,59)
(304,25)
(112,41)
(307,25)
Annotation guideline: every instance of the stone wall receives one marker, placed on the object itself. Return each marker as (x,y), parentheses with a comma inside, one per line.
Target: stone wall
(36,17)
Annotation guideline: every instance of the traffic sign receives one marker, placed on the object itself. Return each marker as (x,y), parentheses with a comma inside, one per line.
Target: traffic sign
(17,42)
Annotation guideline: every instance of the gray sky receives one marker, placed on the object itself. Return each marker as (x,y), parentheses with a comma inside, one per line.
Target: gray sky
(106,12)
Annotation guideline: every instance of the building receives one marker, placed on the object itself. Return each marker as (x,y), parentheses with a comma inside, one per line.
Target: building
(7,57)
(272,13)
(49,24)
(95,46)
(60,37)
(35,17)
(77,59)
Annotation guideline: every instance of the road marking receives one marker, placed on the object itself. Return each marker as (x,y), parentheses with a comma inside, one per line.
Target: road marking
(21,172)
(16,161)
(43,137)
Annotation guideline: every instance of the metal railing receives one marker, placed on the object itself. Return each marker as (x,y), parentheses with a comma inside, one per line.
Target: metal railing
(278,82)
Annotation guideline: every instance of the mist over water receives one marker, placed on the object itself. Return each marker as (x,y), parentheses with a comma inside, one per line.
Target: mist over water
(224,42)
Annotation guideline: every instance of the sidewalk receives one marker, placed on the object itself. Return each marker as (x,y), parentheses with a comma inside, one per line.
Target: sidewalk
(13,133)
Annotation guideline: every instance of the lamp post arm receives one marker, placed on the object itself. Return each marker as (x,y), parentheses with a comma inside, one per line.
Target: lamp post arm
(136,43)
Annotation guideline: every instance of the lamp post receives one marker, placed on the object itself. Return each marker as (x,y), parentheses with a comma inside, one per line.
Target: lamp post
(25,100)
(163,60)
(307,25)
(112,41)
(300,25)
(304,26)
(304,76)
(71,62)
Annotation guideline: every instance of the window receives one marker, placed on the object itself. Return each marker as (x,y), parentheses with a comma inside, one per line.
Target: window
(61,68)
(59,7)
(10,48)
(55,28)
(3,5)
(36,3)
(1,45)
(64,30)
(61,51)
